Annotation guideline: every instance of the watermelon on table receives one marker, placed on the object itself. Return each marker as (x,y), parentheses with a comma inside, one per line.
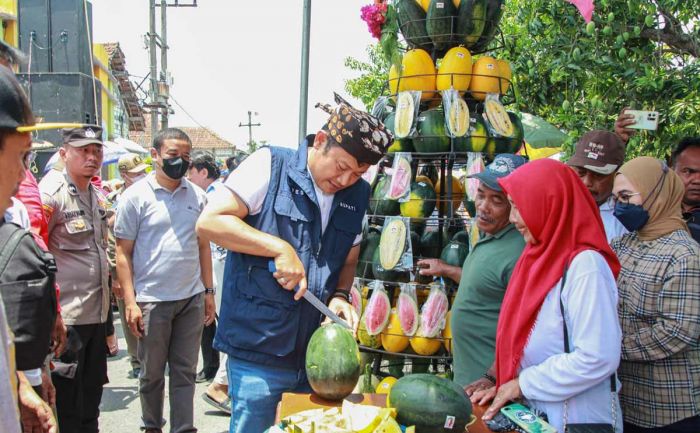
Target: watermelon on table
(332,362)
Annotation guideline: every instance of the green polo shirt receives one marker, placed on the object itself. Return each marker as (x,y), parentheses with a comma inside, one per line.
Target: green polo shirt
(485,276)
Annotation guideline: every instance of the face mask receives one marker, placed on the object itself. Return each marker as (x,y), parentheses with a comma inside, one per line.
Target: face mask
(175,168)
(632,216)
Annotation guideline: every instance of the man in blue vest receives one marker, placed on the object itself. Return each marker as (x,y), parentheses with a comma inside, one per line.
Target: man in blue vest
(304,210)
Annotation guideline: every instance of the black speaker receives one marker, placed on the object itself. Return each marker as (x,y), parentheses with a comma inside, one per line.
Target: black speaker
(61,97)
(71,44)
(58,33)
(35,33)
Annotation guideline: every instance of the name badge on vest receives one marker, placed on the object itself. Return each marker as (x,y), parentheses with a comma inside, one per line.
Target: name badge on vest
(347,206)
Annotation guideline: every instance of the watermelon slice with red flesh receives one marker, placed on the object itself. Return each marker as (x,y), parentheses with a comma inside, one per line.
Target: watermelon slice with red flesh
(434,313)
(356,300)
(400,180)
(377,312)
(408,314)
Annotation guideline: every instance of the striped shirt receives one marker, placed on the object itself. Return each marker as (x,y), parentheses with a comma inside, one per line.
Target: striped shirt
(659,290)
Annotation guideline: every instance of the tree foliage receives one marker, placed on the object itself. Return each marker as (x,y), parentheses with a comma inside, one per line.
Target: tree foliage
(637,53)
(373,76)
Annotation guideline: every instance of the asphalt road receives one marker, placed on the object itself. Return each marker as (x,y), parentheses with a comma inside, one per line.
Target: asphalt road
(121,409)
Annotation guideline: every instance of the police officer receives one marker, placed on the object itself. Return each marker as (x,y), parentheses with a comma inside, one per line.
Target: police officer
(77,214)
(304,210)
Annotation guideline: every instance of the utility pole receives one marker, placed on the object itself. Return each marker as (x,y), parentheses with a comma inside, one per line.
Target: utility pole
(304,91)
(249,125)
(164,63)
(160,84)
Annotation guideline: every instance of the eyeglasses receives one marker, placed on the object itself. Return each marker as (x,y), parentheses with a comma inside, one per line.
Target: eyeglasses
(624,197)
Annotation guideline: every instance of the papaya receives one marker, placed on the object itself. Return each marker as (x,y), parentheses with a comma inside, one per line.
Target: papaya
(455,70)
(486,78)
(411,17)
(432,136)
(439,23)
(421,203)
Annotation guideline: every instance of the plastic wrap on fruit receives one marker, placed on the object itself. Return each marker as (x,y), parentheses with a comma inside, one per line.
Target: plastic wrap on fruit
(378,309)
(400,184)
(407,308)
(456,113)
(356,297)
(434,311)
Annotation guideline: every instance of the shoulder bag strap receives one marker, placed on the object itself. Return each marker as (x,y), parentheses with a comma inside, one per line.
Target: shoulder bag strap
(567,349)
(13,241)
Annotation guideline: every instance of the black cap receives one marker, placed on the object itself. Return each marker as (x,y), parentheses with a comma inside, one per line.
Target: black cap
(15,111)
(82,136)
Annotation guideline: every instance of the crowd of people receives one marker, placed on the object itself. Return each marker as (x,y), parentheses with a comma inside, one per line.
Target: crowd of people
(580,298)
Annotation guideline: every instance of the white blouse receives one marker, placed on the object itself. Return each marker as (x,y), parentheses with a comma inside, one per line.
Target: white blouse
(548,375)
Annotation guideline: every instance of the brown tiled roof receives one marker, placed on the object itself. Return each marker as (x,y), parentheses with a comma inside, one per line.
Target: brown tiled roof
(117,65)
(202,138)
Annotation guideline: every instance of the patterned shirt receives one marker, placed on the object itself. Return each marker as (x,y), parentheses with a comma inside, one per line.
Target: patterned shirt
(659,289)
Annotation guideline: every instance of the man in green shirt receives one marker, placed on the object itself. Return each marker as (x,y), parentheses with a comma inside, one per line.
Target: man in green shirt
(484,276)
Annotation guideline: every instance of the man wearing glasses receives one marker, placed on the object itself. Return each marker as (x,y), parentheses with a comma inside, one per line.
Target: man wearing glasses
(597,157)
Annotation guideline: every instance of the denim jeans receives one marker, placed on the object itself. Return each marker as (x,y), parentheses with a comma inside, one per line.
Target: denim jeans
(256,390)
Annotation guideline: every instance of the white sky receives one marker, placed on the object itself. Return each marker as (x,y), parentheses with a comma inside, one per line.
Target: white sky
(231,56)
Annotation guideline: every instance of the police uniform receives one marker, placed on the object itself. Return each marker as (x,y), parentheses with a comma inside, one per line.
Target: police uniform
(77,222)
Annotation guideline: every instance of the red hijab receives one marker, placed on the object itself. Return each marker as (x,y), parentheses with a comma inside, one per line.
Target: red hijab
(562,216)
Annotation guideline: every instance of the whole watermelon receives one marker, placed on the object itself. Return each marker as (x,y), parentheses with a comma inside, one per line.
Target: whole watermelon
(332,362)
(379,204)
(426,401)
(369,243)
(421,203)
(432,136)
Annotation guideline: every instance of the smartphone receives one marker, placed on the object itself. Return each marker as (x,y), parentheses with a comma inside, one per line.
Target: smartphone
(526,420)
(648,120)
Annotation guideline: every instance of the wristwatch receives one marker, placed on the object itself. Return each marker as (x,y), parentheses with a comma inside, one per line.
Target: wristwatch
(209,291)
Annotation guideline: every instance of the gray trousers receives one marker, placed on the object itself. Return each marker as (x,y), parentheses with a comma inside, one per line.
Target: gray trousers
(132,343)
(172,334)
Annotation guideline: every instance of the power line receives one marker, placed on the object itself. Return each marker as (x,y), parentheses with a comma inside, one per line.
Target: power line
(186,112)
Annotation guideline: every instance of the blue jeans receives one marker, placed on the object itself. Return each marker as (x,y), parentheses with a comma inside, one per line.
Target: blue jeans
(256,390)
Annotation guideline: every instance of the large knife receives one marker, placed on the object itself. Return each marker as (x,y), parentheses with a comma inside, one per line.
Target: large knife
(313,300)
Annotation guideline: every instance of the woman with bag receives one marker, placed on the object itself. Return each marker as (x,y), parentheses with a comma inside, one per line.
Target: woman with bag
(558,336)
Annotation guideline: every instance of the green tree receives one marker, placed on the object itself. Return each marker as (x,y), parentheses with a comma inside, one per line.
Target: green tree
(373,76)
(637,53)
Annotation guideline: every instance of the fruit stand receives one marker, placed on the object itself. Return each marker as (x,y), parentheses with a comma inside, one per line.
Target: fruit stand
(445,104)
(446,110)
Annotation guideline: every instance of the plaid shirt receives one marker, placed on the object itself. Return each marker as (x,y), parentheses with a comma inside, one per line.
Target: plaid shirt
(659,289)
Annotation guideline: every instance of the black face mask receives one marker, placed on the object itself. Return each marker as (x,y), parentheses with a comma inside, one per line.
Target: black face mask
(175,168)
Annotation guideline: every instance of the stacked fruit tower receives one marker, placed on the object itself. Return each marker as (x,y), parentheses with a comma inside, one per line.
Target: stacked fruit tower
(445,106)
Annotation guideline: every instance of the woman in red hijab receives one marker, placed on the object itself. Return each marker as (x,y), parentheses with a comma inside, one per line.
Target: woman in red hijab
(566,246)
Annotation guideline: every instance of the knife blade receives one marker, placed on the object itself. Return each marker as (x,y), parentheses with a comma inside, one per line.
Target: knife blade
(313,300)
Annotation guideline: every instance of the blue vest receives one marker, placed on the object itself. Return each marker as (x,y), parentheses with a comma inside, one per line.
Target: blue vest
(260,321)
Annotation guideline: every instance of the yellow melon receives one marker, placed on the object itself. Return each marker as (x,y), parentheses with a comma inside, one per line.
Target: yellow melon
(455,70)
(447,333)
(506,74)
(393,339)
(417,73)
(425,346)
(485,78)
(425,4)
(457,194)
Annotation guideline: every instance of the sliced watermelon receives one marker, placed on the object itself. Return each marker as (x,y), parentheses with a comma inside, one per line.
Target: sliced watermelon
(408,314)
(434,313)
(356,300)
(400,179)
(377,312)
